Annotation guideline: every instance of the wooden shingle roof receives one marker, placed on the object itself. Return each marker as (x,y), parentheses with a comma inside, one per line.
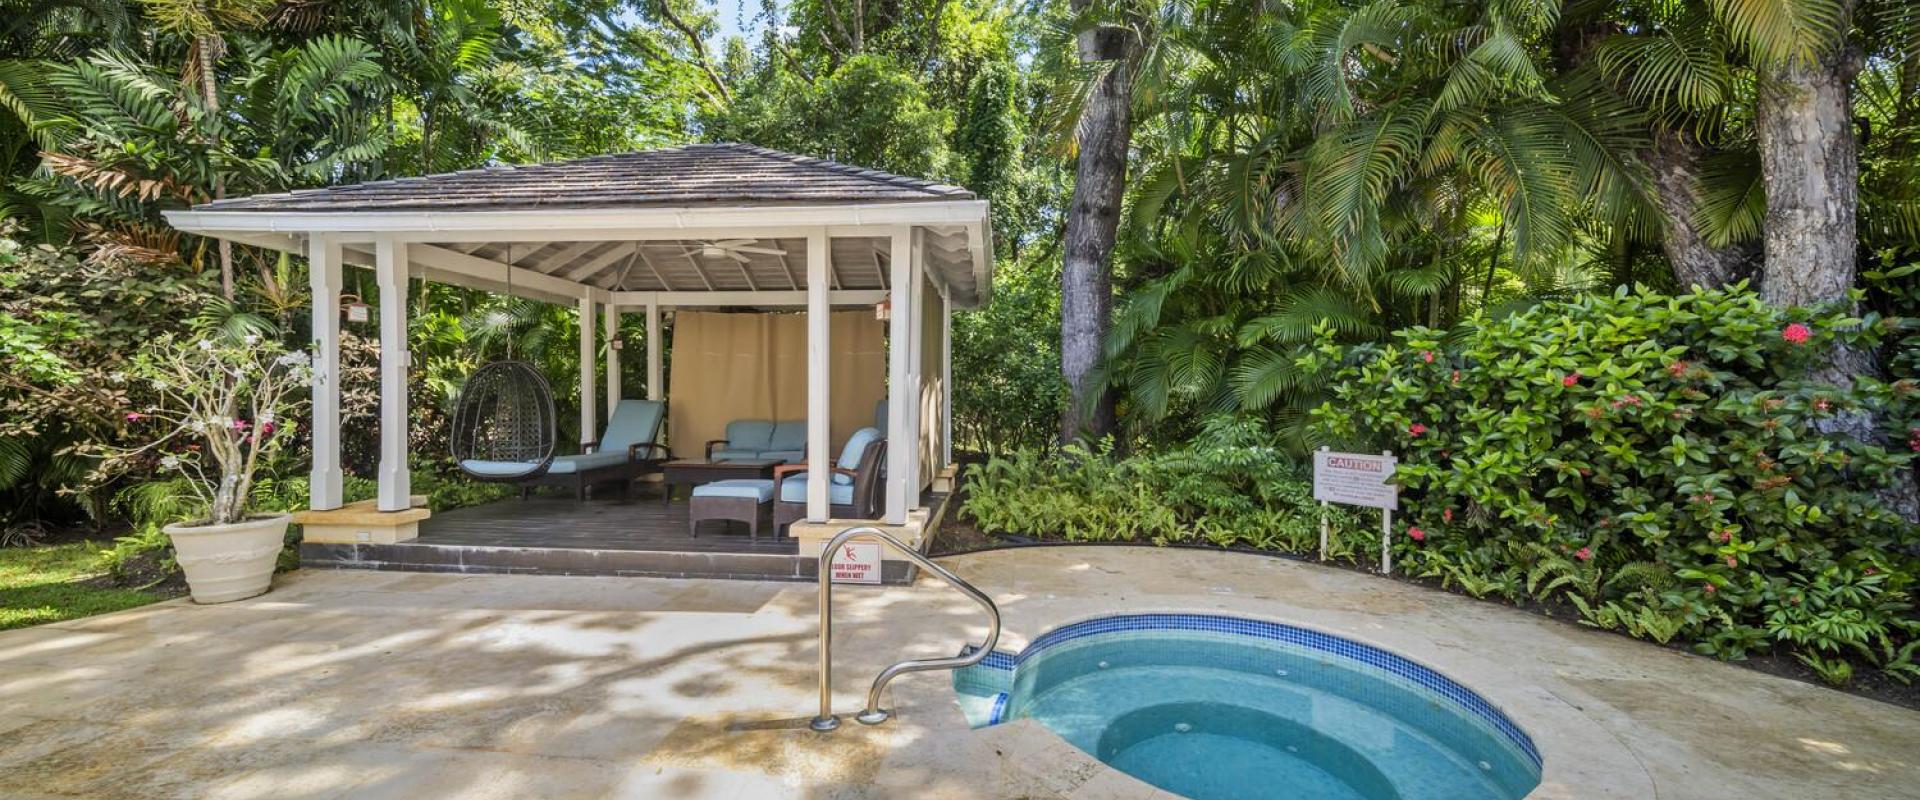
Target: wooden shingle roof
(690,175)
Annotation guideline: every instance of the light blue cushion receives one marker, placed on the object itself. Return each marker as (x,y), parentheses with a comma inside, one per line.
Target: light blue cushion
(497,469)
(790,435)
(788,456)
(731,454)
(757,489)
(749,434)
(794,490)
(567,465)
(634,422)
(856,447)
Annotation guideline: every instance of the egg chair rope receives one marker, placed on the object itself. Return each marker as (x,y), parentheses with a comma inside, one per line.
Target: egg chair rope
(504,422)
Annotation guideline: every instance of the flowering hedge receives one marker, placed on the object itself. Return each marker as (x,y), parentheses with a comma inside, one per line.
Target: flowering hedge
(1660,462)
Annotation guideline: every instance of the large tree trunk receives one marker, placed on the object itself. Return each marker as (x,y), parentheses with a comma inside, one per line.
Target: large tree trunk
(1810,160)
(1086,275)
(1675,160)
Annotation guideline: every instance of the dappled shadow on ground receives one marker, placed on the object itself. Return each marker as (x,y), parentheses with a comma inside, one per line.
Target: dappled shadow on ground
(414,686)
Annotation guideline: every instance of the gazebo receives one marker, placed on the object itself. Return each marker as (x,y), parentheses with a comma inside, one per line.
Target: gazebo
(643,233)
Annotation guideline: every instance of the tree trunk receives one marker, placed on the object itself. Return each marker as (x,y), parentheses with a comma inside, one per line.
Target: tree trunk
(1086,274)
(1810,159)
(1675,160)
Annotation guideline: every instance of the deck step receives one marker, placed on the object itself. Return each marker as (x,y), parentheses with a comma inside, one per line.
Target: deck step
(478,559)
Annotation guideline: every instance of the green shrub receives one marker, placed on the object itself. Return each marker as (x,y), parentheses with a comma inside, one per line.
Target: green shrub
(1661,462)
(1232,487)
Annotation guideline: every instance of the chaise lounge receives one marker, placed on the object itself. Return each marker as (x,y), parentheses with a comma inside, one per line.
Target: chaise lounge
(627,449)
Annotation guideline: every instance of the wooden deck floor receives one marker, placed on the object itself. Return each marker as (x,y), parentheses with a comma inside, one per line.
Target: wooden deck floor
(643,523)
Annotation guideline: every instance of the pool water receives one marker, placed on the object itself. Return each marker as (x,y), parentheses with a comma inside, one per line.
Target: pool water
(1214,707)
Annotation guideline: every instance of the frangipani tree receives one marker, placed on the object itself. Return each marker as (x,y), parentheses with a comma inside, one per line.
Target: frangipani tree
(224,405)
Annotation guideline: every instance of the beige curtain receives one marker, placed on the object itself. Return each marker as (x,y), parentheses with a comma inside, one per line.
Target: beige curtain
(932,398)
(754,366)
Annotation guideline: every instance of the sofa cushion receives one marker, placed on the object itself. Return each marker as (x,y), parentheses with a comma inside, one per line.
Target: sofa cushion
(754,488)
(498,469)
(732,454)
(794,490)
(749,434)
(789,435)
(856,447)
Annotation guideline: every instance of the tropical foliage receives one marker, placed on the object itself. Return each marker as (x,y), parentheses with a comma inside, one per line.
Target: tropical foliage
(1660,462)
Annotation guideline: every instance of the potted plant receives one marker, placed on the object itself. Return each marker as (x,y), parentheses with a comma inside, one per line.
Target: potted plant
(220,408)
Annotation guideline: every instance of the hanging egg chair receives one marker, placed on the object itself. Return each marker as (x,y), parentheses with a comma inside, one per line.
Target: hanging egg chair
(504,423)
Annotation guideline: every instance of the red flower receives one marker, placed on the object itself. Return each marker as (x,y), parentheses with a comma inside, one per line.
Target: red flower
(1708,588)
(1821,404)
(1677,368)
(1416,429)
(1584,554)
(1447,515)
(1732,561)
(1632,399)
(266,429)
(135,416)
(1417,534)
(1456,376)
(1872,571)
(1570,379)
(1796,333)
(1427,356)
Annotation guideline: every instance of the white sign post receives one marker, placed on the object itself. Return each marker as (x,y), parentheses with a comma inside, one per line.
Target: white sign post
(857,562)
(1357,479)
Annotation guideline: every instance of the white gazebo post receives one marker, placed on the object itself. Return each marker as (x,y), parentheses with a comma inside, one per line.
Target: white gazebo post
(819,377)
(589,393)
(900,396)
(323,277)
(654,352)
(611,321)
(946,377)
(390,269)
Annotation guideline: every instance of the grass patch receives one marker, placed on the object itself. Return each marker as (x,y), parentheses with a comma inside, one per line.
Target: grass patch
(39,585)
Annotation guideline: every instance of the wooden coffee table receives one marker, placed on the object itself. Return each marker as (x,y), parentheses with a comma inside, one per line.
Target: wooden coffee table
(696,471)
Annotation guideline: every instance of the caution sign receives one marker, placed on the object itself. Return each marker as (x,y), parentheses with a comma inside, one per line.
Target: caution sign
(1355,479)
(857,562)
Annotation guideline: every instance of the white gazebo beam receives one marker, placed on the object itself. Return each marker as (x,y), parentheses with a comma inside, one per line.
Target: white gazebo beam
(554,225)
(325,489)
(819,379)
(589,393)
(593,266)
(769,298)
(610,321)
(390,268)
(655,349)
(558,261)
(652,267)
(900,440)
(448,260)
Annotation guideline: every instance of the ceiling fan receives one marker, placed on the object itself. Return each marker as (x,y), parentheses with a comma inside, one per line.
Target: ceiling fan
(730,248)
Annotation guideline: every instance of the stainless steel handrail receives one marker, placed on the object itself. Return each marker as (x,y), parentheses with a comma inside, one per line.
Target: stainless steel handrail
(874,714)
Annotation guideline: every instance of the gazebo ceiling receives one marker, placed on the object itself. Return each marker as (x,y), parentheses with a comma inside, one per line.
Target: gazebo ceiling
(696,218)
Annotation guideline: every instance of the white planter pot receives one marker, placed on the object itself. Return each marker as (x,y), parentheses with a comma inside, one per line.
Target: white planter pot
(229,562)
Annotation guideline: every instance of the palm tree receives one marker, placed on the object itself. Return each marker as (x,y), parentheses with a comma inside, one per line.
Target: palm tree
(1335,168)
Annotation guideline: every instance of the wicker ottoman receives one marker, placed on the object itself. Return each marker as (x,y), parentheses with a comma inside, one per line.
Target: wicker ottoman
(748,500)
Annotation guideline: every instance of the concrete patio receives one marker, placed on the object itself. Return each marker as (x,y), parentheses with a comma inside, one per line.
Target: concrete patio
(379,684)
